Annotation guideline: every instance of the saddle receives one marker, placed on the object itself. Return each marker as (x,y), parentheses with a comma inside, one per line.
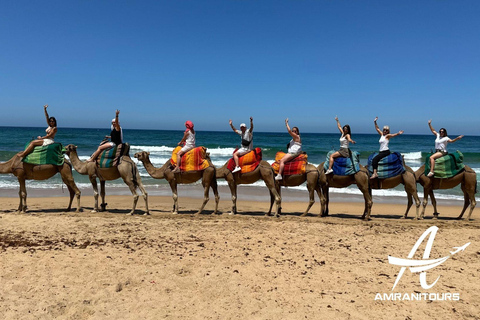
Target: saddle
(296,165)
(390,166)
(344,166)
(51,154)
(248,162)
(447,166)
(193,160)
(112,157)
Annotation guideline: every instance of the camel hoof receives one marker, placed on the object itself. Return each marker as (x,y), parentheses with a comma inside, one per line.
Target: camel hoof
(146,213)
(175,212)
(94,211)
(435,217)
(403,217)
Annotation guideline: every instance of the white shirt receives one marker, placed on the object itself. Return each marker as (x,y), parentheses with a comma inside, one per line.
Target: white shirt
(383,143)
(294,147)
(190,141)
(343,142)
(441,143)
(246,136)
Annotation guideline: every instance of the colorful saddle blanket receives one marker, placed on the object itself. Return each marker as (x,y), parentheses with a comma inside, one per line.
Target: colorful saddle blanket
(390,166)
(193,160)
(295,166)
(446,166)
(248,162)
(51,154)
(344,166)
(113,156)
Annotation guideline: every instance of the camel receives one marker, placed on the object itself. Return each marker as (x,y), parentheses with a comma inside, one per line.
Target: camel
(360,179)
(127,170)
(408,179)
(311,177)
(264,171)
(467,179)
(25,171)
(165,172)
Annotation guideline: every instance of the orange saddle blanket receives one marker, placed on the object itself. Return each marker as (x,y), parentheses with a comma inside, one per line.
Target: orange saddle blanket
(248,162)
(193,160)
(295,166)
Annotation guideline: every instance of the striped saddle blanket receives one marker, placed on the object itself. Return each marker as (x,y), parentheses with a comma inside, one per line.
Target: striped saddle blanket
(193,160)
(51,154)
(248,162)
(113,156)
(390,166)
(344,166)
(446,166)
(295,166)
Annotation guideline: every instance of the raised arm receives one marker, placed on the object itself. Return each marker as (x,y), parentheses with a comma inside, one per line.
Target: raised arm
(456,139)
(339,126)
(431,128)
(251,124)
(295,136)
(347,136)
(391,135)
(117,124)
(46,114)
(376,126)
(231,125)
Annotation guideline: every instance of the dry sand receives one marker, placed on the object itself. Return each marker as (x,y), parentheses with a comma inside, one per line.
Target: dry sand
(57,265)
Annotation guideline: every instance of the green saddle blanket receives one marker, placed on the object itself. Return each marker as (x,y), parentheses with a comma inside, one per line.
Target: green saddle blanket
(446,166)
(51,154)
(113,156)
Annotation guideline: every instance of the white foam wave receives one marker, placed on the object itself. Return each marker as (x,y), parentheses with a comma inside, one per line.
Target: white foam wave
(162,149)
(412,155)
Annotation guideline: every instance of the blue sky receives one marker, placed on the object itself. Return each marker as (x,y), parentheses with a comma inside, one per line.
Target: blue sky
(164,62)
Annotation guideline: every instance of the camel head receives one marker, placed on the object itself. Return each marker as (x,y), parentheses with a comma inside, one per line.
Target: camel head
(142,156)
(70,148)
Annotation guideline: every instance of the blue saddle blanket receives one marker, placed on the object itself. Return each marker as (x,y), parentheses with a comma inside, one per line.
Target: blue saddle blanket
(390,166)
(344,166)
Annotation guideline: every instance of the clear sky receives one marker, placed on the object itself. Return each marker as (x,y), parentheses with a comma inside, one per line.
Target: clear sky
(164,62)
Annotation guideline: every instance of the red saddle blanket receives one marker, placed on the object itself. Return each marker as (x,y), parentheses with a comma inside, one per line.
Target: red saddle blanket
(248,162)
(193,160)
(295,166)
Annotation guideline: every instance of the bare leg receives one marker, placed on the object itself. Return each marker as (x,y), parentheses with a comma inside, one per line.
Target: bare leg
(33,144)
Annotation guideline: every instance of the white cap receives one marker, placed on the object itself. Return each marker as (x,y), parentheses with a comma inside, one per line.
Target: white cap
(243,125)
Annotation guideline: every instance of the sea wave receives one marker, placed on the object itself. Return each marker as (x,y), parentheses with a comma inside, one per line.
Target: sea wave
(412,156)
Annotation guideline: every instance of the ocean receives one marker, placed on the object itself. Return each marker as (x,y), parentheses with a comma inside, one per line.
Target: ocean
(220,145)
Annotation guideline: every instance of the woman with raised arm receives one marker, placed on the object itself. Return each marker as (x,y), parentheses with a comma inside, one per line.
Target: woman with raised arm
(247,142)
(440,145)
(47,139)
(294,148)
(188,141)
(116,138)
(385,137)
(344,151)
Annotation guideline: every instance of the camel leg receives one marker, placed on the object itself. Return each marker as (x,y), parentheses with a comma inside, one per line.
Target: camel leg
(103,205)
(93,181)
(233,192)
(326,195)
(133,190)
(322,199)
(434,204)
(173,186)
(311,195)
(214,187)
(368,199)
(22,193)
(270,182)
(67,178)
(411,189)
(473,203)
(145,197)
(206,189)
(424,204)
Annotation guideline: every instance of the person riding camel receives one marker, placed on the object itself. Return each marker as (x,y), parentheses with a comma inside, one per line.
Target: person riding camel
(247,142)
(116,138)
(188,141)
(51,131)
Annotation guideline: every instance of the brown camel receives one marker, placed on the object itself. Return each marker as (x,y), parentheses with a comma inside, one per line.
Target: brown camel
(311,177)
(467,179)
(360,179)
(25,171)
(127,170)
(408,179)
(165,172)
(264,171)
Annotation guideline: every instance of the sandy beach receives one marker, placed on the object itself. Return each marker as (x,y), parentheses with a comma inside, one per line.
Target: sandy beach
(59,265)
